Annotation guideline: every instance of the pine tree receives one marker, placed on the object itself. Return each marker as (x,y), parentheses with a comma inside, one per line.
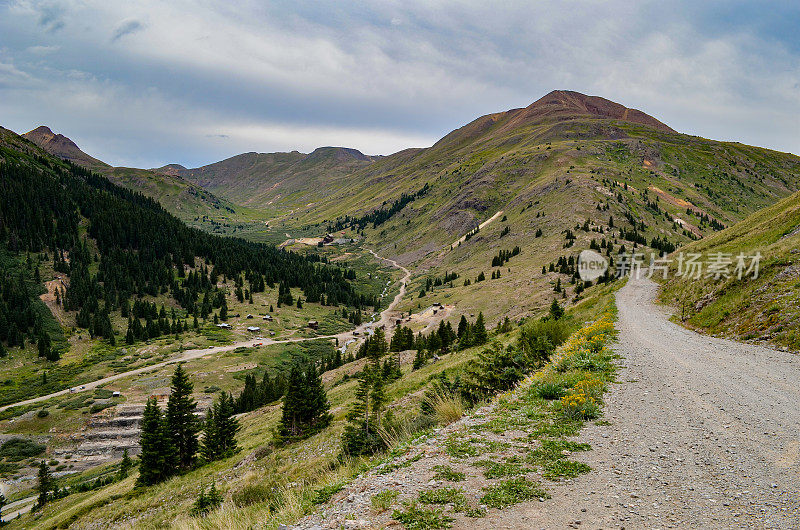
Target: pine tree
(124,466)
(291,426)
(462,326)
(305,405)
(44,346)
(209,447)
(219,431)
(361,434)
(556,311)
(182,424)
(315,413)
(153,465)
(46,485)
(479,335)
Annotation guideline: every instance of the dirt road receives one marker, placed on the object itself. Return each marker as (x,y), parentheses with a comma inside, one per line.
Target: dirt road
(188,355)
(704,433)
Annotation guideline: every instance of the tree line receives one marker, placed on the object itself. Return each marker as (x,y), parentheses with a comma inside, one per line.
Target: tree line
(138,249)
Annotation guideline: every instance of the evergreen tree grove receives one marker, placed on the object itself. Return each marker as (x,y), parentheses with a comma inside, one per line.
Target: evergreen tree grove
(305,405)
(219,430)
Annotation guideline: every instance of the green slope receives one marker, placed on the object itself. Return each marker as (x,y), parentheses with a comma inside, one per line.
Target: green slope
(766,309)
(188,202)
(276,181)
(564,160)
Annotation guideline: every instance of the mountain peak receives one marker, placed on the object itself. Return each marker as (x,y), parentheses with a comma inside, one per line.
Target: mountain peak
(339,154)
(560,102)
(61,146)
(44,135)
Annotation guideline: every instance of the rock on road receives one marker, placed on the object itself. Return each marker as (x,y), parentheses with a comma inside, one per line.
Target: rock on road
(704,433)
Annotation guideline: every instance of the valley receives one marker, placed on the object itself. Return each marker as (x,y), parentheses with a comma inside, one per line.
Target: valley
(435,294)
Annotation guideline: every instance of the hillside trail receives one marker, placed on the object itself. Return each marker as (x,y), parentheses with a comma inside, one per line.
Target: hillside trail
(386,317)
(481,226)
(704,433)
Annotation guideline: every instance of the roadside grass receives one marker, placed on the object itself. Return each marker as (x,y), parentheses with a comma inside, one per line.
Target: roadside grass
(416,518)
(448,473)
(444,496)
(512,491)
(383,501)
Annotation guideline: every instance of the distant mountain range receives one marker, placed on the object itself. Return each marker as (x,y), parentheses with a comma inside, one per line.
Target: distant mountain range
(566,162)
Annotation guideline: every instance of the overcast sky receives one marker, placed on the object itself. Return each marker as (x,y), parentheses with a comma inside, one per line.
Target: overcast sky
(147,83)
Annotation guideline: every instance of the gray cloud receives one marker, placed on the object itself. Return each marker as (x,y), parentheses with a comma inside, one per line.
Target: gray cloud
(126,28)
(383,76)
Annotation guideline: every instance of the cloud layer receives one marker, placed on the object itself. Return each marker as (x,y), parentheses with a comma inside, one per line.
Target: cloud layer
(145,83)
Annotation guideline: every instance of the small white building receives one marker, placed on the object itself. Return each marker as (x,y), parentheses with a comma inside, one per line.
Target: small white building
(253,329)
(224,326)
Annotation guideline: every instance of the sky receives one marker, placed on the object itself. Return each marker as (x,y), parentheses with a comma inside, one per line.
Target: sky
(147,83)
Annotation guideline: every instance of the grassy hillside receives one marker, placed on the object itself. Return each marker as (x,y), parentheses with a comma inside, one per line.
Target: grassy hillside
(555,166)
(187,202)
(265,484)
(766,309)
(292,179)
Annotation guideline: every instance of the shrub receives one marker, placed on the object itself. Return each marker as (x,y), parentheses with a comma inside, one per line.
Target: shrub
(495,370)
(325,493)
(103,393)
(43,413)
(16,449)
(447,406)
(539,339)
(454,496)
(579,406)
(549,390)
(206,502)
(564,468)
(501,469)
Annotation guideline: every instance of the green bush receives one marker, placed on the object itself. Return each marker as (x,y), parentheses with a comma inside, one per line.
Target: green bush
(206,502)
(540,338)
(103,393)
(17,449)
(325,493)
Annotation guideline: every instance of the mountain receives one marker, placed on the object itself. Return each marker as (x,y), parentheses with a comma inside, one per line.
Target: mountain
(568,165)
(567,172)
(185,200)
(763,309)
(109,250)
(64,148)
(256,179)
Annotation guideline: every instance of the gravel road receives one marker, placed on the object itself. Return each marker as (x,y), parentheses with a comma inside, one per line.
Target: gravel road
(704,433)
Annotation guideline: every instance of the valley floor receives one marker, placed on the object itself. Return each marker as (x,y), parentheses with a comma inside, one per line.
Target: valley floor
(705,433)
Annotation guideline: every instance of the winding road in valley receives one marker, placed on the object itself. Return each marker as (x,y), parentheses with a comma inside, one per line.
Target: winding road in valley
(188,355)
(704,433)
